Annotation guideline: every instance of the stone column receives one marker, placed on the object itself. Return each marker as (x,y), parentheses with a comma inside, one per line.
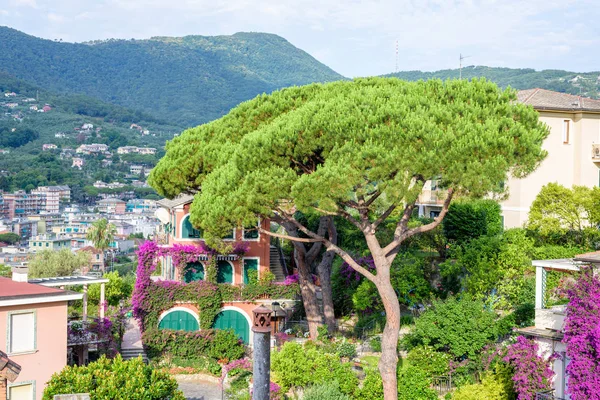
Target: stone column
(102,305)
(261,374)
(85,297)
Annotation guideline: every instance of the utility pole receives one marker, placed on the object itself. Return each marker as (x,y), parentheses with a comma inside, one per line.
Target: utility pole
(396,56)
(461,58)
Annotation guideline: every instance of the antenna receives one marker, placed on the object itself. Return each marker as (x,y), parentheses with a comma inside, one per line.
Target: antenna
(396,55)
(461,58)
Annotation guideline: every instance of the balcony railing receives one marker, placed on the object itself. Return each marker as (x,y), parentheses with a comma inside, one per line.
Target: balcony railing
(547,395)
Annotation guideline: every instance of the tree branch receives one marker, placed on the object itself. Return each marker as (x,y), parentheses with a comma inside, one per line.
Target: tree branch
(384,216)
(282,236)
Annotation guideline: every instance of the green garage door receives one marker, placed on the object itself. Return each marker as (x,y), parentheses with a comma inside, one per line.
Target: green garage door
(193,272)
(230,319)
(179,320)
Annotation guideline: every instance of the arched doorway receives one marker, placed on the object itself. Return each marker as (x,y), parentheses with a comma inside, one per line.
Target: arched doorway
(179,320)
(194,271)
(231,319)
(224,272)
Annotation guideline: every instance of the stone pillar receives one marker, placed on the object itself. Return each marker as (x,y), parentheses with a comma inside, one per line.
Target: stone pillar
(102,305)
(261,327)
(85,290)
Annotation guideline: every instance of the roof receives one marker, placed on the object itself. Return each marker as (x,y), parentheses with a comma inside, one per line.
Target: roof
(18,293)
(8,368)
(539,332)
(111,200)
(542,99)
(593,257)
(177,201)
(90,249)
(67,281)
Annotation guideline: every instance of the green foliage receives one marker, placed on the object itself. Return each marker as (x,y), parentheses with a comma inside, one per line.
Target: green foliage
(525,314)
(372,386)
(325,391)
(234,69)
(346,349)
(114,379)
(116,289)
(17,137)
(521,78)
(297,366)
(216,344)
(49,263)
(252,277)
(459,326)
(558,210)
(492,387)
(467,220)
(432,362)
(10,238)
(414,384)
(375,344)
(5,271)
(101,234)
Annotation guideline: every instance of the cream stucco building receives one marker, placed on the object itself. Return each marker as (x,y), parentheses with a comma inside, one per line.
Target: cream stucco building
(573,148)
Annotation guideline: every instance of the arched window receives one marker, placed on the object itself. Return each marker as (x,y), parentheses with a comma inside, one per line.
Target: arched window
(224,272)
(179,320)
(188,231)
(193,272)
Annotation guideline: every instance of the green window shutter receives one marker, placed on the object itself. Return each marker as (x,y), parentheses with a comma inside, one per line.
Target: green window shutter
(179,320)
(188,231)
(224,272)
(231,319)
(249,263)
(194,272)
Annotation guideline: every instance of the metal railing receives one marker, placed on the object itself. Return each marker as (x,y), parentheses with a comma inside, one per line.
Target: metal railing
(442,384)
(547,395)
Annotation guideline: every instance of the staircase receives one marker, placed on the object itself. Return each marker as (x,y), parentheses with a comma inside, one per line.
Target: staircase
(275,264)
(128,354)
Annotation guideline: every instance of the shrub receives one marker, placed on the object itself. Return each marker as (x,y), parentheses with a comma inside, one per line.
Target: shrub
(375,344)
(525,314)
(372,388)
(216,344)
(297,366)
(429,361)
(325,391)
(346,349)
(491,387)
(114,379)
(460,326)
(472,218)
(532,372)
(414,384)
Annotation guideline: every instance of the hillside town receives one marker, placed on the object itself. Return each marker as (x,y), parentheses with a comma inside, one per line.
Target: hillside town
(228,218)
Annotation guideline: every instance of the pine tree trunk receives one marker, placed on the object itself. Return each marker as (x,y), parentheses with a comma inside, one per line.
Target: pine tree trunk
(308,291)
(324,270)
(389,341)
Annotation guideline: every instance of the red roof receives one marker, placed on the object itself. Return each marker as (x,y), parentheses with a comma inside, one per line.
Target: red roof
(91,249)
(10,288)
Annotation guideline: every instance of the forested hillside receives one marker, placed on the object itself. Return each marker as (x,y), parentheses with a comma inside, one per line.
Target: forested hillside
(580,83)
(186,81)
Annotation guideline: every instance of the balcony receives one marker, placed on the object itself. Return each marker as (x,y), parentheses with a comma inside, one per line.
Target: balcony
(551,319)
(596,152)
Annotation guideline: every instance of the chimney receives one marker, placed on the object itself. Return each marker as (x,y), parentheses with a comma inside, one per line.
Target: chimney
(19,274)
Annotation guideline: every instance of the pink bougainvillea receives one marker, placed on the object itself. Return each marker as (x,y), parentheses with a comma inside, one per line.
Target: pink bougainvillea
(532,372)
(582,337)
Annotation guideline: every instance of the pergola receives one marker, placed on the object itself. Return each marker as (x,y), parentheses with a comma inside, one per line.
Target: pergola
(64,281)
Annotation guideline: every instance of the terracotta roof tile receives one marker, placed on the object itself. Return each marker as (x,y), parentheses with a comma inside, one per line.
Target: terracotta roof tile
(542,99)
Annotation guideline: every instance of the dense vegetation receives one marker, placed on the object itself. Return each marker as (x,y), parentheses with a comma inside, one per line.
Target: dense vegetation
(186,80)
(580,83)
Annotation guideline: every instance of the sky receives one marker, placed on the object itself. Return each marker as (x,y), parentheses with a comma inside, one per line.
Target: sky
(353,37)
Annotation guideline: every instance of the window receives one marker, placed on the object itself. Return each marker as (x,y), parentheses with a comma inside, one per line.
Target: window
(21,392)
(566,131)
(188,231)
(21,332)
(250,232)
(249,264)
(224,272)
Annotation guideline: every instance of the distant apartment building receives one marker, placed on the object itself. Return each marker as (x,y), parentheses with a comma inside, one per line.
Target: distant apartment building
(47,221)
(139,206)
(33,326)
(111,206)
(49,242)
(54,196)
(49,146)
(20,204)
(94,148)
(134,149)
(25,227)
(138,169)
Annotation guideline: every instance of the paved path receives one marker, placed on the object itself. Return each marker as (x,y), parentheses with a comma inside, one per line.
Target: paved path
(200,390)
(132,339)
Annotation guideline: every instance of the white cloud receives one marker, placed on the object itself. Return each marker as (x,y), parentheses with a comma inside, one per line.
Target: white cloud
(56,18)
(24,3)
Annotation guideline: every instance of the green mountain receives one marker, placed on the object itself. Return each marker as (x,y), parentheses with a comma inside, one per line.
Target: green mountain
(580,83)
(187,81)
